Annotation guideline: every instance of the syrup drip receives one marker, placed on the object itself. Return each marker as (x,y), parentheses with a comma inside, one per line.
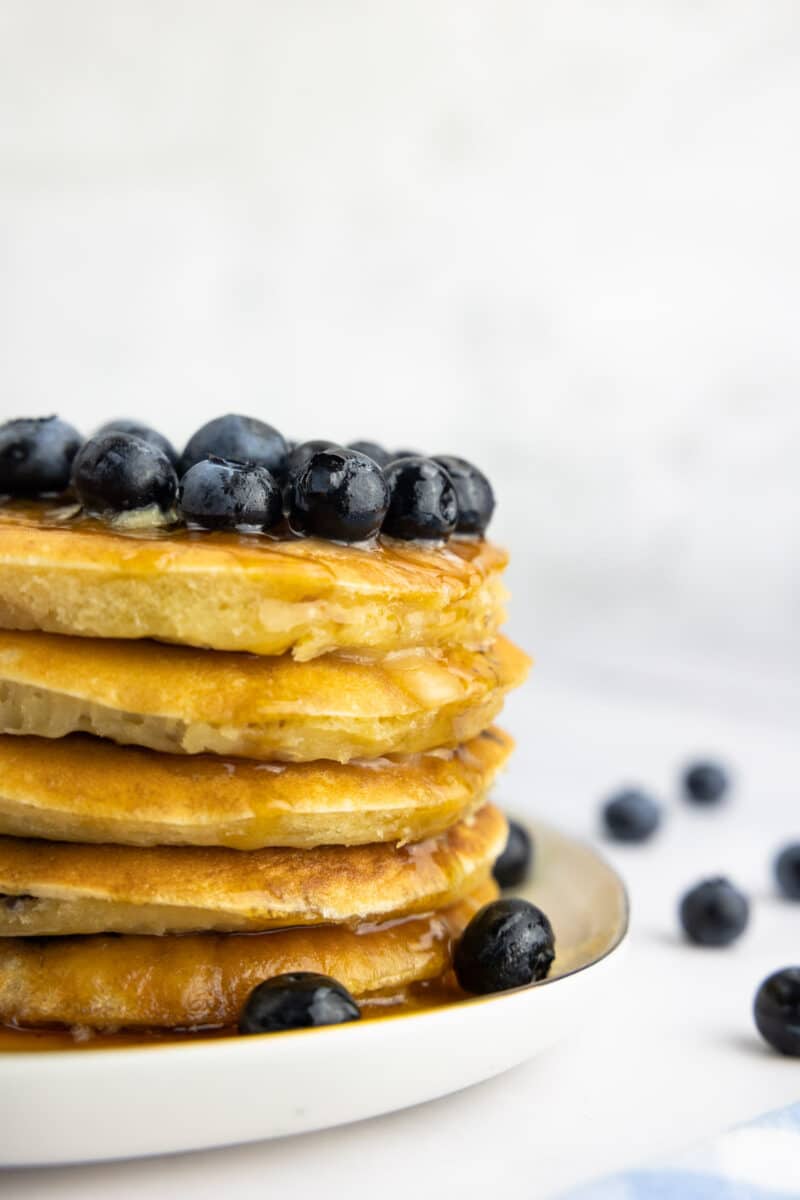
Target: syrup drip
(419,997)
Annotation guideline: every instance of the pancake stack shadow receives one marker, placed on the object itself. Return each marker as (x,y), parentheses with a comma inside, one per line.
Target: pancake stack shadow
(225,758)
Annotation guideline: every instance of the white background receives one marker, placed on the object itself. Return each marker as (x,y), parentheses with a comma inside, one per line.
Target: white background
(560,238)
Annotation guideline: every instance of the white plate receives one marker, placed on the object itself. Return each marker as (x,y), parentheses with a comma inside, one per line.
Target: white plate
(91,1105)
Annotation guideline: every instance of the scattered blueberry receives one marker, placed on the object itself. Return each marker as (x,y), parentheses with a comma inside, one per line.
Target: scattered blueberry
(116,472)
(215,494)
(372,450)
(777,1010)
(714,913)
(507,944)
(395,454)
(513,866)
(422,500)
(339,494)
(787,871)
(301,453)
(705,783)
(473,493)
(36,455)
(631,816)
(145,432)
(299,1000)
(237,439)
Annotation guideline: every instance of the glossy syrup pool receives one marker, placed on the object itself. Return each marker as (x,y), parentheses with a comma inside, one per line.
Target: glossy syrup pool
(62,513)
(417,998)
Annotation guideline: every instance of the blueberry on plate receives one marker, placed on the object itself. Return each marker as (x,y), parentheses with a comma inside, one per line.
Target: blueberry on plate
(237,439)
(787,871)
(339,494)
(422,500)
(507,944)
(714,913)
(631,816)
(36,455)
(473,493)
(145,432)
(777,1010)
(299,1000)
(117,472)
(514,865)
(372,450)
(705,783)
(302,452)
(215,494)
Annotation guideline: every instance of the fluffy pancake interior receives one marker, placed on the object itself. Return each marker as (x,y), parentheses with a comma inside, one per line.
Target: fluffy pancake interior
(63,888)
(81,789)
(203,979)
(67,574)
(183,700)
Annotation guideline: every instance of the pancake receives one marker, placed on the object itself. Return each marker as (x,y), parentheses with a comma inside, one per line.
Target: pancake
(64,573)
(186,701)
(62,888)
(81,789)
(203,979)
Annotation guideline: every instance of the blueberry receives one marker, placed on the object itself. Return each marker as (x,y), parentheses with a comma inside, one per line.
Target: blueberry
(777,1010)
(301,453)
(36,455)
(514,864)
(705,783)
(422,500)
(372,450)
(215,494)
(714,913)
(237,439)
(787,871)
(473,493)
(145,432)
(507,944)
(631,816)
(116,472)
(299,1000)
(395,454)
(339,494)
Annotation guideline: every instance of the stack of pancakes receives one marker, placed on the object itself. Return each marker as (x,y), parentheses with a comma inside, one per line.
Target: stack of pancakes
(226,757)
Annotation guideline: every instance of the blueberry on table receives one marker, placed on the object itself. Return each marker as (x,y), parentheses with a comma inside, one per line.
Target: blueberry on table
(422,500)
(215,494)
(714,913)
(507,944)
(145,432)
(473,493)
(705,783)
(372,450)
(238,439)
(299,1000)
(787,871)
(631,816)
(117,472)
(777,1010)
(340,495)
(514,864)
(36,455)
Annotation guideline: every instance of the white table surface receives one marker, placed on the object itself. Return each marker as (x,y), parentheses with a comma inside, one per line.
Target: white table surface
(670,1059)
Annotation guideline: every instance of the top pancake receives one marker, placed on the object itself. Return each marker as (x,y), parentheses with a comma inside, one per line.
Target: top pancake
(63,573)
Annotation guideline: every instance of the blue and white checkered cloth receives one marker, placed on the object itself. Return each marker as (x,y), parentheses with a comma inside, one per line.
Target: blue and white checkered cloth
(760,1161)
